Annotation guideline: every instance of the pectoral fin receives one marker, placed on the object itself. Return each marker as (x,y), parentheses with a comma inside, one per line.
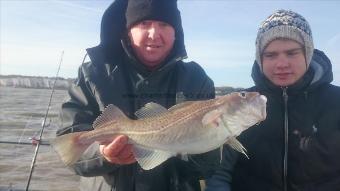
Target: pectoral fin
(212,118)
(149,159)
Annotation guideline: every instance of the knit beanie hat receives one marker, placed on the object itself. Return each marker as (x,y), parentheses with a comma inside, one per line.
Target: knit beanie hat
(288,25)
(160,10)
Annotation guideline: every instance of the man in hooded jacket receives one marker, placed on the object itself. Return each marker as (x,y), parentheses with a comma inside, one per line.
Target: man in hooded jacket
(297,147)
(138,60)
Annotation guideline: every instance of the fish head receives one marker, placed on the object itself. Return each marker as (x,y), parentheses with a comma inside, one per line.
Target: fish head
(241,110)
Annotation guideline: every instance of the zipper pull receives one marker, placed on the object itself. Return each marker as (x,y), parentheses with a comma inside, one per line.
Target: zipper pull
(284,94)
(306,95)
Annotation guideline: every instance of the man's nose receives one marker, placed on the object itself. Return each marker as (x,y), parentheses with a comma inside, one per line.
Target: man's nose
(282,61)
(153,31)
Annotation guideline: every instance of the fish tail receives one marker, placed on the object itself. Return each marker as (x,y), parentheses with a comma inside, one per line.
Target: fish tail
(69,148)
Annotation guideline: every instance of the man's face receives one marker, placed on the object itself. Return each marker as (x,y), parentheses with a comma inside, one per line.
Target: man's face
(152,41)
(283,62)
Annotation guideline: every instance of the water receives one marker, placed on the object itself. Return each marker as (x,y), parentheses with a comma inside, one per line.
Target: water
(21,115)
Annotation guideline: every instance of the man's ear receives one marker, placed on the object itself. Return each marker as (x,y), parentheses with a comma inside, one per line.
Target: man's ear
(128,37)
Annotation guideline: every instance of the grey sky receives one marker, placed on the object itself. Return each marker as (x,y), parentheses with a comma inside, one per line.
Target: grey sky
(219,35)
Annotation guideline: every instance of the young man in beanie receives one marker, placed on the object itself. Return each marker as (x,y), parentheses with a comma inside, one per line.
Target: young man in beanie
(297,147)
(139,60)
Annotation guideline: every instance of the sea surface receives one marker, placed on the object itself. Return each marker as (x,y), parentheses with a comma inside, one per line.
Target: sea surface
(21,116)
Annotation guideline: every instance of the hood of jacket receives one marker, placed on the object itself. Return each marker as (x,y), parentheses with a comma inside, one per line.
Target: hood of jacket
(114,43)
(319,73)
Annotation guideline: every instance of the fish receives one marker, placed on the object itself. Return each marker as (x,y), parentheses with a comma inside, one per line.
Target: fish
(191,127)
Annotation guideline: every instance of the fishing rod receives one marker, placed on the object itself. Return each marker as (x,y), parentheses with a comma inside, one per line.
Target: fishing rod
(33,142)
(43,125)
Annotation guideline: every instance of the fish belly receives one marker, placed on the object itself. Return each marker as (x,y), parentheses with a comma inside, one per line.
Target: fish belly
(189,138)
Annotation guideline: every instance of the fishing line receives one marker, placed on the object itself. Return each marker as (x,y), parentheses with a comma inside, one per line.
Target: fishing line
(24,143)
(19,141)
(23,132)
(43,125)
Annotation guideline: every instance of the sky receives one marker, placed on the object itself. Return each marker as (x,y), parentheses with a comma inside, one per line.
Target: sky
(219,34)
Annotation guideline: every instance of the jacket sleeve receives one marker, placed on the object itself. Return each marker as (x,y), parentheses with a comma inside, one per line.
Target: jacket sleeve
(77,114)
(222,178)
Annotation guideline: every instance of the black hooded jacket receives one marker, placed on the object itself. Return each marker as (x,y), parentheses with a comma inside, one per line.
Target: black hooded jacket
(302,121)
(115,76)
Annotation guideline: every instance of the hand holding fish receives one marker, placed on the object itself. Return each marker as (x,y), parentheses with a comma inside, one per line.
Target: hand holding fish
(118,151)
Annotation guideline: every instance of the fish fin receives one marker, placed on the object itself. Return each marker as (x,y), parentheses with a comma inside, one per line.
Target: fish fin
(181,105)
(212,118)
(148,158)
(150,110)
(110,114)
(235,144)
(68,147)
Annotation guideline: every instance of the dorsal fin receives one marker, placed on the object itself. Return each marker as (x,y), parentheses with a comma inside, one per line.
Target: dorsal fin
(111,113)
(181,105)
(150,110)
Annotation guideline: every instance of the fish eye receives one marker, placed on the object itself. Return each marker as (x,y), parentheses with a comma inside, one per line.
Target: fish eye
(242,94)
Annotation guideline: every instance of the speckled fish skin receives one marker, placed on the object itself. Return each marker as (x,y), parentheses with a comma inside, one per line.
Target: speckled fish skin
(188,128)
(181,129)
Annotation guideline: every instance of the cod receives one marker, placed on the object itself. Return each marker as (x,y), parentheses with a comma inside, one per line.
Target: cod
(191,127)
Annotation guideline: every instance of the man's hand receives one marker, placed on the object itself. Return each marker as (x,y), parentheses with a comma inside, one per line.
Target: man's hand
(118,151)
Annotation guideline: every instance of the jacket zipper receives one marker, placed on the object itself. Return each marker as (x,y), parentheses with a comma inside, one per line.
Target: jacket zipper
(285,157)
